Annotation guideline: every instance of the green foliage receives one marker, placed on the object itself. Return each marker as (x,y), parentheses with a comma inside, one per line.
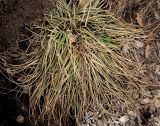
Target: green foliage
(111,43)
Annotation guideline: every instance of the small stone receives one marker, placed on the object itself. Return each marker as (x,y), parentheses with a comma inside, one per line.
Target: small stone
(157,15)
(146,94)
(124,119)
(20,119)
(157,103)
(157,71)
(131,113)
(146,101)
(138,44)
(157,121)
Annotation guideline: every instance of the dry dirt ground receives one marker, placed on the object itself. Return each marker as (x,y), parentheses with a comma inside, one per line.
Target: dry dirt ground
(15,17)
(18,15)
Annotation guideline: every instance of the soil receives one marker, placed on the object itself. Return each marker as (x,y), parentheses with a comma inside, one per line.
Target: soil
(15,17)
(9,107)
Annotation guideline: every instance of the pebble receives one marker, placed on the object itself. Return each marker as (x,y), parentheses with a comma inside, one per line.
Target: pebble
(124,119)
(132,113)
(146,94)
(157,103)
(146,101)
(138,44)
(20,119)
(157,71)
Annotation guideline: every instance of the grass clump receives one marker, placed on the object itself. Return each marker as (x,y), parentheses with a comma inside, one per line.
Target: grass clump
(77,65)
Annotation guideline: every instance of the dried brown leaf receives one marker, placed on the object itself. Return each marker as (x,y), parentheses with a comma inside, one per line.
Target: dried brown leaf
(140,19)
(83,3)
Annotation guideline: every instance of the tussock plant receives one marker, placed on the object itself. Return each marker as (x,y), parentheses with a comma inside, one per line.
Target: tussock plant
(77,65)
